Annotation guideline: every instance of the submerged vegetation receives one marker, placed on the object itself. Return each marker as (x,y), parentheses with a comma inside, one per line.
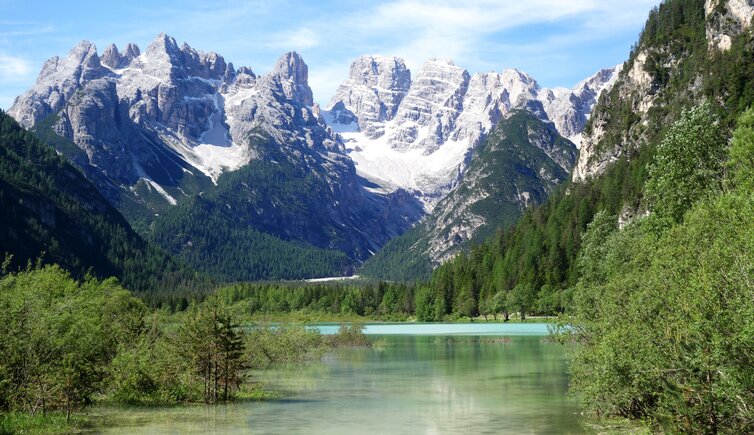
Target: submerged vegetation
(69,344)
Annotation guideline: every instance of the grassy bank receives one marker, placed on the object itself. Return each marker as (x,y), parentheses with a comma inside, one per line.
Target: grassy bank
(51,423)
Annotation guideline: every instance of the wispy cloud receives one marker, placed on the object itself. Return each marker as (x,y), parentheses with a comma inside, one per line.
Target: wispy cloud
(14,68)
(480,35)
(418,29)
(26,31)
(297,39)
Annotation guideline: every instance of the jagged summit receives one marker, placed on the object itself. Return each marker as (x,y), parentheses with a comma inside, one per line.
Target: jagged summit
(56,83)
(114,59)
(375,87)
(416,132)
(191,100)
(156,128)
(294,77)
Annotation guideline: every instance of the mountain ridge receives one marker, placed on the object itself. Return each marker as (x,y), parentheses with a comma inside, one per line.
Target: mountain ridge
(516,166)
(425,128)
(154,129)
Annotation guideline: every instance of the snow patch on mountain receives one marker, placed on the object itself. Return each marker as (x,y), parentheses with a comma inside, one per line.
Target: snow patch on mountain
(418,134)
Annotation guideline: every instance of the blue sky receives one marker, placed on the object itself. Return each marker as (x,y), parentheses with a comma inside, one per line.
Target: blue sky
(559,42)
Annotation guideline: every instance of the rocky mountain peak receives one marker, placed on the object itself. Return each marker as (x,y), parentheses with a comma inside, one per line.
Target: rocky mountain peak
(166,61)
(163,44)
(83,51)
(204,65)
(57,82)
(443,68)
(514,74)
(425,126)
(114,59)
(162,58)
(599,79)
(82,63)
(519,84)
(375,88)
(293,75)
(569,109)
(427,114)
(111,56)
(243,77)
(639,88)
(386,73)
(132,51)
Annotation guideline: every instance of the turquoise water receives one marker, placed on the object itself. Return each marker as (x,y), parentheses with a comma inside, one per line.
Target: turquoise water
(417,379)
(470,329)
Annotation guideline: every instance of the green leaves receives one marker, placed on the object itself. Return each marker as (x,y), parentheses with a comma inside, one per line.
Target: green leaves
(665,319)
(689,164)
(741,161)
(59,337)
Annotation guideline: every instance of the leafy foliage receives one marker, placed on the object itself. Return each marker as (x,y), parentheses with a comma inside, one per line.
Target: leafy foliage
(59,337)
(741,162)
(688,164)
(210,338)
(540,251)
(65,343)
(383,300)
(664,319)
(283,344)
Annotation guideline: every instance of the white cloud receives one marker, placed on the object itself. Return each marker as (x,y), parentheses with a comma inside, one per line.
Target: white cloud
(472,32)
(26,31)
(459,26)
(299,39)
(14,69)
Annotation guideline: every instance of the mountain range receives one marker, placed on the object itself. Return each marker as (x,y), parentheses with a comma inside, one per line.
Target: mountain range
(238,174)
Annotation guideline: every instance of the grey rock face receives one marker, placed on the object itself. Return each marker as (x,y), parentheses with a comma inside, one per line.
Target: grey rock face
(442,114)
(722,26)
(114,59)
(375,88)
(495,190)
(291,75)
(635,86)
(569,109)
(516,166)
(157,126)
(173,94)
(57,82)
(426,118)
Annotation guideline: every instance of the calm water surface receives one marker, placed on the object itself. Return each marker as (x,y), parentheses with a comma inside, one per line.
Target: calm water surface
(417,379)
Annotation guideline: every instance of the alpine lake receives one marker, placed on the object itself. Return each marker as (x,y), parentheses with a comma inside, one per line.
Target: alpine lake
(478,378)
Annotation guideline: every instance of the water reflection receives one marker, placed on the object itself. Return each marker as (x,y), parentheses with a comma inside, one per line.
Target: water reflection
(406,385)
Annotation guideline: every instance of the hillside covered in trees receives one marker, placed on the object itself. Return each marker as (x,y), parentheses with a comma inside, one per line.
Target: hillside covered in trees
(52,214)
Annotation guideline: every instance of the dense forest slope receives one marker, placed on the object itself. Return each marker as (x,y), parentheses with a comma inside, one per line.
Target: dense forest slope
(50,211)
